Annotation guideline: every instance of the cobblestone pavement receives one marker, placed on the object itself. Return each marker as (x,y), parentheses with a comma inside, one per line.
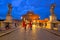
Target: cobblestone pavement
(4,32)
(34,34)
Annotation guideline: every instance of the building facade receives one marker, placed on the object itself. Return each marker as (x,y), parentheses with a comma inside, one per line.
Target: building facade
(31,17)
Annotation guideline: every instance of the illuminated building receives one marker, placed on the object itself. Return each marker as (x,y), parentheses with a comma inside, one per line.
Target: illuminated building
(30,16)
(2,24)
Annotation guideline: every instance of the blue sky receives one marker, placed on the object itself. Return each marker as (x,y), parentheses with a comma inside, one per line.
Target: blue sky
(20,7)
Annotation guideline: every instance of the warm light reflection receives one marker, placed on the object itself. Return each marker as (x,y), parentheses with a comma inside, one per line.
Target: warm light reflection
(34,36)
(34,28)
(55,28)
(21,29)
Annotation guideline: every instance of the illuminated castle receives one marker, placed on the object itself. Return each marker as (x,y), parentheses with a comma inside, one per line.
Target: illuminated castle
(30,16)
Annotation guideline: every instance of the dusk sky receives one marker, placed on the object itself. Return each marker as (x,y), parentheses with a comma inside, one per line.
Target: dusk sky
(20,7)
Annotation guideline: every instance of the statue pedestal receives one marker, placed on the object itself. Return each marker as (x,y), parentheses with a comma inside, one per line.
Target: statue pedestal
(48,25)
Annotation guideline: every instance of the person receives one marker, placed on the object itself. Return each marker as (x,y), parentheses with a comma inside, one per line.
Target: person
(15,25)
(30,25)
(7,26)
(24,25)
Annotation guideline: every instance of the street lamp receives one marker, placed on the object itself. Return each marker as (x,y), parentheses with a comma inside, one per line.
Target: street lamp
(21,17)
(39,17)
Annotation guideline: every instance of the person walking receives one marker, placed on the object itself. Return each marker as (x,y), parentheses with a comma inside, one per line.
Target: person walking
(24,25)
(15,25)
(7,26)
(30,25)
